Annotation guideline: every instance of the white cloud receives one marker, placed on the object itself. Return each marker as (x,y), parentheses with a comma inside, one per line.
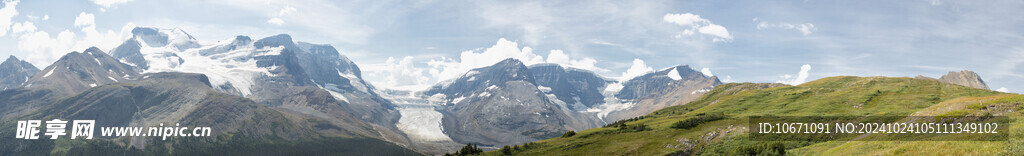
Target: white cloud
(799,79)
(404,75)
(85,20)
(727,79)
(22,27)
(276,21)
(694,24)
(43,49)
(286,10)
(400,75)
(559,57)
(706,72)
(1003,89)
(638,68)
(109,3)
(6,14)
(448,68)
(805,28)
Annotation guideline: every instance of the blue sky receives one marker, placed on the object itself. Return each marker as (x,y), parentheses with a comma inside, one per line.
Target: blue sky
(411,44)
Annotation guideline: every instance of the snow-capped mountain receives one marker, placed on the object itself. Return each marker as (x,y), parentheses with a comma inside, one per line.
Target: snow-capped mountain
(579,89)
(509,103)
(15,72)
(500,105)
(307,92)
(663,88)
(274,71)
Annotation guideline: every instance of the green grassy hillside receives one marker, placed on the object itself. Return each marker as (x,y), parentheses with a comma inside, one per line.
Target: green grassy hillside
(716,123)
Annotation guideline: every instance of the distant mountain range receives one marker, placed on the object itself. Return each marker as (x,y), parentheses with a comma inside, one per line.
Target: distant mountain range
(511,103)
(250,92)
(269,95)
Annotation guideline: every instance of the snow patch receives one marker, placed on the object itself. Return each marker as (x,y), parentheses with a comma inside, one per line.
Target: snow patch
(459,99)
(674,74)
(544,89)
(338,96)
(50,72)
(702,90)
(92,85)
(355,81)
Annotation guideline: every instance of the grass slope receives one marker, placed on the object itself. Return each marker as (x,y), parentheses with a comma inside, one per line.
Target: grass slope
(832,96)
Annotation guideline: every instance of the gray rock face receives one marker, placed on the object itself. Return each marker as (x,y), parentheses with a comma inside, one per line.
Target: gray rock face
(660,89)
(509,103)
(14,73)
(578,88)
(79,71)
(92,85)
(499,105)
(965,78)
(659,82)
(300,77)
(188,99)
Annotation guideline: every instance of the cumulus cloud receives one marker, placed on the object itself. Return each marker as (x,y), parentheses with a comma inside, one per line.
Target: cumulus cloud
(85,20)
(400,75)
(559,57)
(706,72)
(23,27)
(727,79)
(805,28)
(276,21)
(6,13)
(695,24)
(1003,89)
(638,68)
(405,75)
(109,3)
(449,68)
(43,49)
(799,79)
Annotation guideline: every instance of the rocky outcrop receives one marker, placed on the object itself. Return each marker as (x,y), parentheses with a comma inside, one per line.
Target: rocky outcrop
(964,78)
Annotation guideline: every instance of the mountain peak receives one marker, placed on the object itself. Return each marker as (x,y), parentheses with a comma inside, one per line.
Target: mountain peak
(510,62)
(145,31)
(12,58)
(241,39)
(276,40)
(965,78)
(92,50)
